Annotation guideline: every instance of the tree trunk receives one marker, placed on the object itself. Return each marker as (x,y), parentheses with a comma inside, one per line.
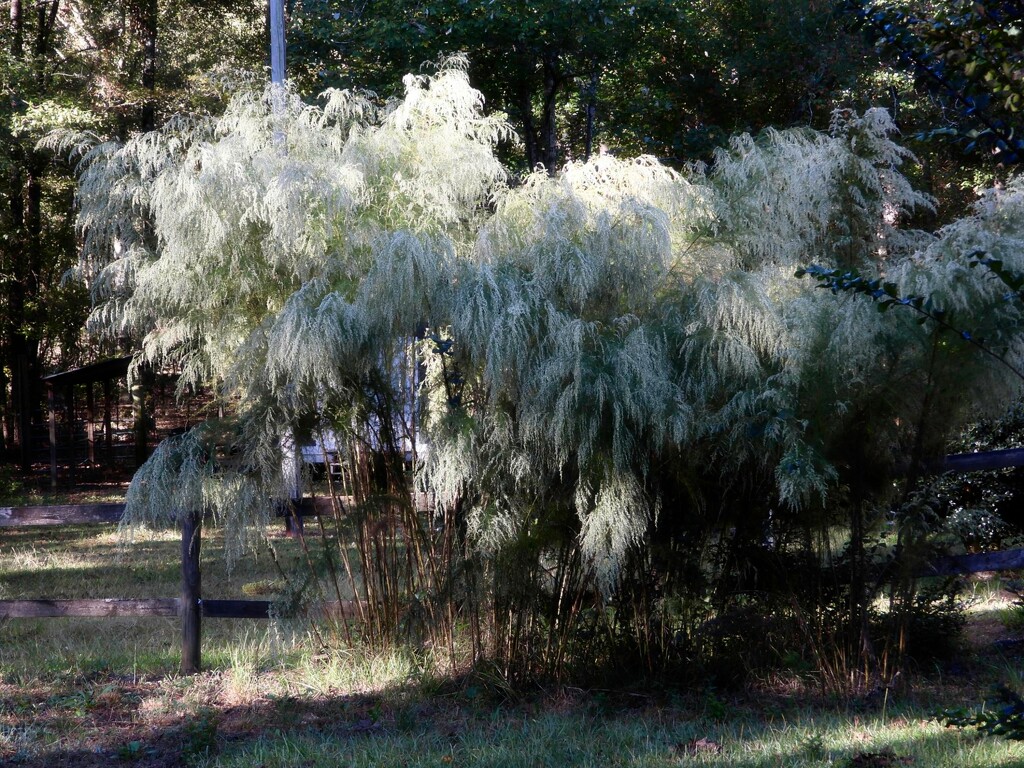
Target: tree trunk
(25,202)
(591,114)
(149,22)
(28,338)
(549,121)
(17,31)
(21,352)
(47,16)
(530,138)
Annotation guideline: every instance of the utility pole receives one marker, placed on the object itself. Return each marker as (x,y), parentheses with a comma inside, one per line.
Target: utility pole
(277,42)
(291,459)
(277,53)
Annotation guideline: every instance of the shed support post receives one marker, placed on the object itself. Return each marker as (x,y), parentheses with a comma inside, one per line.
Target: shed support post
(70,422)
(90,421)
(52,407)
(108,427)
(141,413)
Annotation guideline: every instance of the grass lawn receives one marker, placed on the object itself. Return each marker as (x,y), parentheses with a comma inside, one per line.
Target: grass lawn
(91,692)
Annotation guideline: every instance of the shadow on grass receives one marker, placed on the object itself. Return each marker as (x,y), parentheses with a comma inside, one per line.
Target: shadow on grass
(105,720)
(195,721)
(516,737)
(93,562)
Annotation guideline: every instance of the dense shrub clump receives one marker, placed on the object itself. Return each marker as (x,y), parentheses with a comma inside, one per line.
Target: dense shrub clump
(635,424)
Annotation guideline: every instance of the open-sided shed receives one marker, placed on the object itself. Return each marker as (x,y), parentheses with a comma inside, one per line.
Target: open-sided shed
(97,435)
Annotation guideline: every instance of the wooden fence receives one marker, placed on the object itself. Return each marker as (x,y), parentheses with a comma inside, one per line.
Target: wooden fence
(189,607)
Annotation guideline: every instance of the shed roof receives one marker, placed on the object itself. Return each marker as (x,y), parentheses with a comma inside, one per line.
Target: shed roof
(102,371)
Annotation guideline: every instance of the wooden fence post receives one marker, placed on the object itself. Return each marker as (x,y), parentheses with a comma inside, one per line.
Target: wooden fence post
(189,608)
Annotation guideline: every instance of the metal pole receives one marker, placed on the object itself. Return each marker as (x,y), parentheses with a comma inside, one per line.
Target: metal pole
(277,52)
(291,467)
(277,47)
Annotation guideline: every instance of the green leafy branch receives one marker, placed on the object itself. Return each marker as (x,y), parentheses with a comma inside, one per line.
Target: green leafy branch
(886,295)
(1006,719)
(1012,280)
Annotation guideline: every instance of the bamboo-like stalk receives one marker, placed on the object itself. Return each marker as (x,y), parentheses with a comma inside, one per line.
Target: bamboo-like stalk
(324,539)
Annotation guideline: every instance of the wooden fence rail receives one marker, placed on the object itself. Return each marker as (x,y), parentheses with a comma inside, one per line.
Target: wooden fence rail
(189,607)
(103,608)
(953,565)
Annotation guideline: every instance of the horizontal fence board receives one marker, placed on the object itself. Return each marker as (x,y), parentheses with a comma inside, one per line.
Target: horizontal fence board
(65,514)
(235,609)
(1007,560)
(159,606)
(86,514)
(100,608)
(977,462)
(315,506)
(260,609)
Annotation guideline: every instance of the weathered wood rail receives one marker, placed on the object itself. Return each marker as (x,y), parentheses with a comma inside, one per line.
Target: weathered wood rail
(66,514)
(1006,560)
(100,608)
(952,565)
(190,607)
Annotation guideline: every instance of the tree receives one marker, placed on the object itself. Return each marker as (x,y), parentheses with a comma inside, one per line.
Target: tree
(531,59)
(35,215)
(74,66)
(726,67)
(672,79)
(968,55)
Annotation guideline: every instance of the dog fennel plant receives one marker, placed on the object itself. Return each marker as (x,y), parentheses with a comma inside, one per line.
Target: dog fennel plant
(607,350)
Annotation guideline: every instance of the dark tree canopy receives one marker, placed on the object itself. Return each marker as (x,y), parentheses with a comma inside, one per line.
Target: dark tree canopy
(969,56)
(671,79)
(109,68)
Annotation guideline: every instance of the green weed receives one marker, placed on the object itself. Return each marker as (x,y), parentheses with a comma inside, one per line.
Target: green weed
(199,737)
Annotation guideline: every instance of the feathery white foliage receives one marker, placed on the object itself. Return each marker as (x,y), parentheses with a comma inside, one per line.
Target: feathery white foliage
(560,318)
(586,331)
(433,157)
(975,299)
(170,485)
(180,479)
(615,523)
(281,254)
(794,194)
(244,219)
